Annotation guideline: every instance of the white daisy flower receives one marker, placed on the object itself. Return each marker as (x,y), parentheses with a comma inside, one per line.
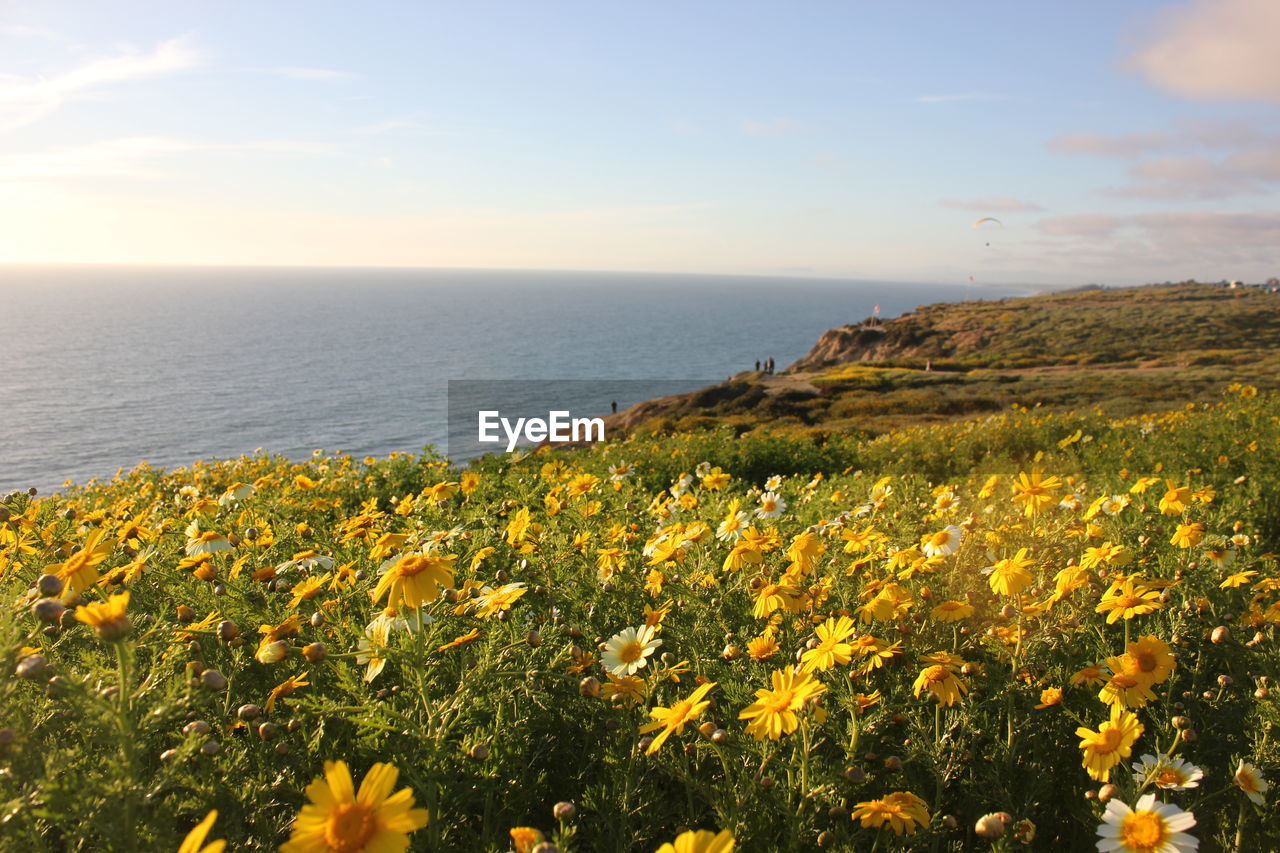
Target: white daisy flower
(1249,779)
(730,530)
(1151,827)
(237,492)
(1167,772)
(773,483)
(629,650)
(944,543)
(771,505)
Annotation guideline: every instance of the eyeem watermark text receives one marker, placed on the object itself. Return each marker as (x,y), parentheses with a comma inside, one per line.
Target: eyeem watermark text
(558,426)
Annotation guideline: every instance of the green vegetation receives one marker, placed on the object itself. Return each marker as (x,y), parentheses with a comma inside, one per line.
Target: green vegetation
(1119,351)
(261,644)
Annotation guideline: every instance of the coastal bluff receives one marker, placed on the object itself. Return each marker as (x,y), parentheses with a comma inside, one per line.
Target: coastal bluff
(1121,351)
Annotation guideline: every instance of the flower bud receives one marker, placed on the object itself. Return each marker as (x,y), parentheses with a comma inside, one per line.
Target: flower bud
(989,827)
(50,586)
(48,610)
(33,668)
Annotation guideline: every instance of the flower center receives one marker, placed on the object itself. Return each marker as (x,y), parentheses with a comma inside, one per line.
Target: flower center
(1111,740)
(411,566)
(780,701)
(1146,661)
(631,652)
(1142,832)
(1169,778)
(349,828)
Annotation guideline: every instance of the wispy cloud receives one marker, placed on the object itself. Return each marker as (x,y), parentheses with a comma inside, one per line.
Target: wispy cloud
(1192,160)
(1185,134)
(992,204)
(772,127)
(25,31)
(25,100)
(962,96)
(1215,49)
(385,126)
(131,157)
(1215,231)
(295,72)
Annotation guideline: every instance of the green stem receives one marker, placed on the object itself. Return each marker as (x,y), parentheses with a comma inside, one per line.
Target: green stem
(124,721)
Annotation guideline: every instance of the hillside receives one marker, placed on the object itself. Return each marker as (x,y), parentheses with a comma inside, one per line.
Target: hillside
(1122,351)
(848,645)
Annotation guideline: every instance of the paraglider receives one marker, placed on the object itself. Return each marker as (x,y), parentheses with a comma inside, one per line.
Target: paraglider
(978,222)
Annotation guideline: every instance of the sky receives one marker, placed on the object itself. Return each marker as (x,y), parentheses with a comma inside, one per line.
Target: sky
(1116,143)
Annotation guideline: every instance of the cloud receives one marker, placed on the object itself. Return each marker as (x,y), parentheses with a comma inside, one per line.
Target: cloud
(1186,133)
(1215,49)
(128,157)
(300,73)
(961,96)
(25,100)
(385,126)
(1191,160)
(1124,145)
(992,204)
(772,127)
(1213,231)
(24,31)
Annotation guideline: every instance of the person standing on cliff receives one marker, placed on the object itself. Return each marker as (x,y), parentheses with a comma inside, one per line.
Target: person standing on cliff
(614,404)
(757,365)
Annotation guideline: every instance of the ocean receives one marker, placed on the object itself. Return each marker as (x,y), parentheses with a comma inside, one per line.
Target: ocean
(103,367)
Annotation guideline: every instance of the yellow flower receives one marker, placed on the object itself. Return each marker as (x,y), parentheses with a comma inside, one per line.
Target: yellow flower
(1175,499)
(518,527)
(108,618)
(77,572)
(1111,744)
(1049,697)
(773,714)
(441,492)
(901,811)
(1126,688)
(1152,658)
(1091,675)
(415,579)
(525,838)
(1238,579)
(952,611)
(1035,492)
(285,688)
(1010,576)
(339,820)
(832,648)
(195,838)
(674,719)
(624,689)
(700,841)
(942,683)
(1188,535)
(763,647)
(1128,599)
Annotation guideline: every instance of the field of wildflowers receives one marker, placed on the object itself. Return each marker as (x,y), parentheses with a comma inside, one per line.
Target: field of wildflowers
(1025,632)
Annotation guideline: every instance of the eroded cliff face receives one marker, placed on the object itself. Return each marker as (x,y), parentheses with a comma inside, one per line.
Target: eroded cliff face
(840,345)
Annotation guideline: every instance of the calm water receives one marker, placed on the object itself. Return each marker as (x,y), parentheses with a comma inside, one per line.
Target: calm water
(103,367)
